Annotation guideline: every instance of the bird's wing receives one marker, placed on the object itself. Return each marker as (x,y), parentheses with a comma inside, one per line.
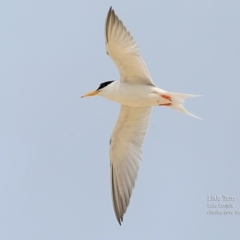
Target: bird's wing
(125,154)
(123,50)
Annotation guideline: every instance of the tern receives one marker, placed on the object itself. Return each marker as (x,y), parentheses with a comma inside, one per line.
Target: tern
(137,94)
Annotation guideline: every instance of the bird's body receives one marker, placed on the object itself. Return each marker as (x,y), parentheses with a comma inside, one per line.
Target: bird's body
(137,94)
(144,95)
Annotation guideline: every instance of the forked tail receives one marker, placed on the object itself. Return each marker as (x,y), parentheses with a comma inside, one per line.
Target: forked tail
(177,100)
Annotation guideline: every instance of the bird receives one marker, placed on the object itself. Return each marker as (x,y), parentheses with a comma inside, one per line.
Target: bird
(137,94)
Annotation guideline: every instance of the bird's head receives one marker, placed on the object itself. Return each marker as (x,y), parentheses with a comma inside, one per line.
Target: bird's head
(102,87)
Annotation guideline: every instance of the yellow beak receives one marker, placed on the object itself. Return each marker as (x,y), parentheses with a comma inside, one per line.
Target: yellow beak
(95,92)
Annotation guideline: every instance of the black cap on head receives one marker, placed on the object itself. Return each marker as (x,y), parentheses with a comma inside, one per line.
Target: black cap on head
(104,84)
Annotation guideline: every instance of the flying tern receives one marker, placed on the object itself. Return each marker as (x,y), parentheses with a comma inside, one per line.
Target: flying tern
(137,94)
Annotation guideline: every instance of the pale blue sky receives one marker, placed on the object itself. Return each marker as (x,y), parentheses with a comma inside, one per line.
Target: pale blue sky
(54,164)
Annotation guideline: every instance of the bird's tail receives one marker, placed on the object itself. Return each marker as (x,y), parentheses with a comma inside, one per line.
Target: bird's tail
(177,100)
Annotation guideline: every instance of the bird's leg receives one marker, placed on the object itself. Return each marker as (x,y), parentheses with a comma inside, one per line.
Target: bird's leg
(166,97)
(166,104)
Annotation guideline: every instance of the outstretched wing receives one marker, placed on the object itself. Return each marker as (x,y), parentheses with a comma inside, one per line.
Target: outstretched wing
(123,50)
(125,154)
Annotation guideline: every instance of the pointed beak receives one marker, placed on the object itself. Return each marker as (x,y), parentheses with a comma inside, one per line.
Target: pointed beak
(95,92)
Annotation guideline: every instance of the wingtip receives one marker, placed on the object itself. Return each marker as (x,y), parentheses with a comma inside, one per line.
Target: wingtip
(119,221)
(110,10)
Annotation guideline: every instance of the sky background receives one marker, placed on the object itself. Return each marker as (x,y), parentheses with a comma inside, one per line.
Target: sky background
(54,146)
